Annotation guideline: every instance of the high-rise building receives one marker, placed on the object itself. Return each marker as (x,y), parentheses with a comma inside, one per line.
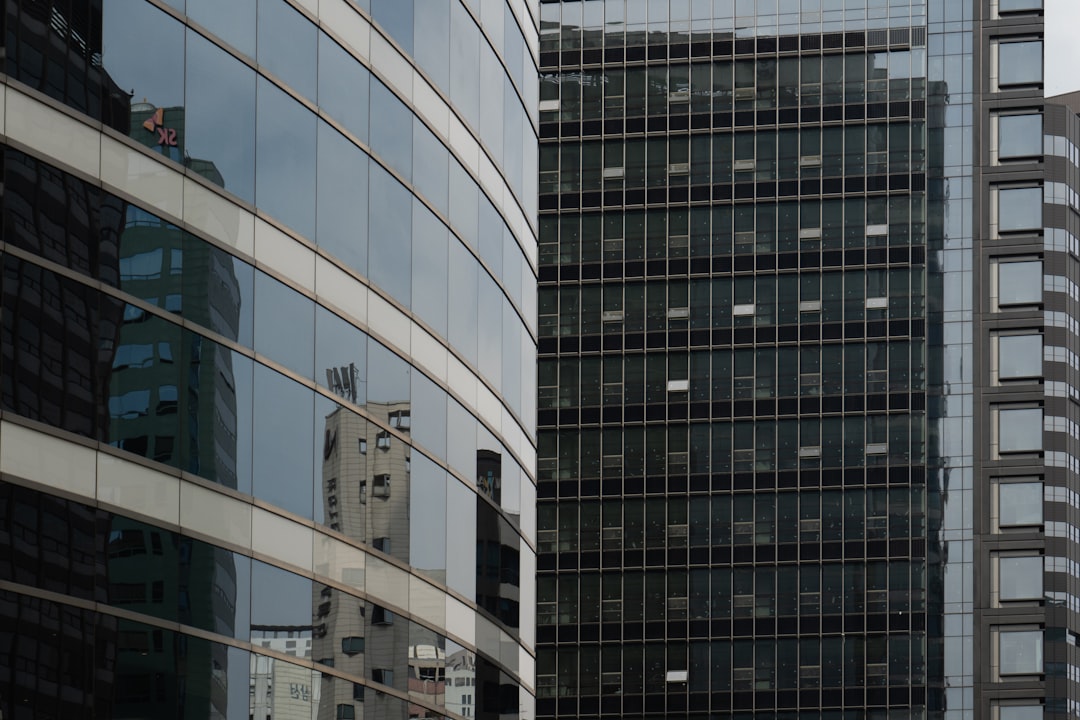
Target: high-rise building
(808,379)
(267,359)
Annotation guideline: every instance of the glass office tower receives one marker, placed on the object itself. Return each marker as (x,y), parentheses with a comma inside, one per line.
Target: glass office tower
(267,358)
(808,380)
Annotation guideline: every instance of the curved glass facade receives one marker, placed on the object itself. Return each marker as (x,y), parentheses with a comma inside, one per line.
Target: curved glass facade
(268,359)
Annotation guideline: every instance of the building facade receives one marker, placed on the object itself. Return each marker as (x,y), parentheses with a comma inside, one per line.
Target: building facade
(267,359)
(808,362)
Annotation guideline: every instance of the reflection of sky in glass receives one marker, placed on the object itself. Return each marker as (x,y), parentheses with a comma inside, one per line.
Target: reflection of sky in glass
(143,52)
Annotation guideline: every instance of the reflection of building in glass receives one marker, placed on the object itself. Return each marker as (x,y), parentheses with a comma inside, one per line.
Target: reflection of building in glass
(805,449)
(196,225)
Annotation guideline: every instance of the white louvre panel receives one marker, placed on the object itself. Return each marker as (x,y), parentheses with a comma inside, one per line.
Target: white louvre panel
(810,306)
(612,173)
(678,168)
(877,448)
(612,316)
(677,676)
(549,105)
(742,310)
(877,230)
(745,93)
(810,233)
(810,160)
(679,96)
(678,385)
(877,303)
(678,313)
(744,164)
(810,452)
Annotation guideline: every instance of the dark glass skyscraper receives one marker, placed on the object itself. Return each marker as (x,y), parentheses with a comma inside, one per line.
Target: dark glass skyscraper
(267,357)
(808,379)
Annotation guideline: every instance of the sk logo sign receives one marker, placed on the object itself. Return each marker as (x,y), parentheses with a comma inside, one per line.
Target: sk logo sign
(156,123)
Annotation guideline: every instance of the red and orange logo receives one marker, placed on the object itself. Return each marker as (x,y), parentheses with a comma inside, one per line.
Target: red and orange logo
(156,123)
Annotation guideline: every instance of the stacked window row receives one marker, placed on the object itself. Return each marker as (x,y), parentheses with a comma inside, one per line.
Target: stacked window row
(739,665)
(856,222)
(360,212)
(725,85)
(815,152)
(576,24)
(762,518)
(720,447)
(130,249)
(137,568)
(744,374)
(179,398)
(742,301)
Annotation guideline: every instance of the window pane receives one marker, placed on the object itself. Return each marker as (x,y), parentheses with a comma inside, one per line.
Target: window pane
(220,117)
(1021,578)
(1019,135)
(285,143)
(1020,504)
(1020,712)
(233,22)
(343,87)
(1014,6)
(1020,652)
(287,45)
(1020,429)
(1020,283)
(1019,209)
(1020,63)
(1019,356)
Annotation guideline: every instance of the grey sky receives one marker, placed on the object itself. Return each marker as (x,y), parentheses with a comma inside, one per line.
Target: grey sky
(1062,46)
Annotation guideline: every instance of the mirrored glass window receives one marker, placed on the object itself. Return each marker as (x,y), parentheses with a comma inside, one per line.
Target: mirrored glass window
(1020,63)
(1020,283)
(1019,356)
(1018,6)
(1020,209)
(1020,578)
(1020,712)
(284,325)
(343,87)
(430,274)
(1020,136)
(1020,652)
(220,115)
(233,22)
(1020,504)
(342,200)
(428,517)
(283,448)
(287,45)
(390,230)
(285,142)
(1020,429)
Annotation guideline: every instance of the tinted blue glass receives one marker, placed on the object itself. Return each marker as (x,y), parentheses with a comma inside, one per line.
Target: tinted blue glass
(464,204)
(514,48)
(287,45)
(460,438)
(427,517)
(233,22)
(218,289)
(493,80)
(491,236)
(489,322)
(220,115)
(285,142)
(342,201)
(343,87)
(278,598)
(464,59)
(396,17)
(463,301)
(388,376)
(391,129)
(429,268)
(429,414)
(283,447)
(128,29)
(461,536)
(342,348)
(513,150)
(512,358)
(390,230)
(284,325)
(431,167)
(432,42)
